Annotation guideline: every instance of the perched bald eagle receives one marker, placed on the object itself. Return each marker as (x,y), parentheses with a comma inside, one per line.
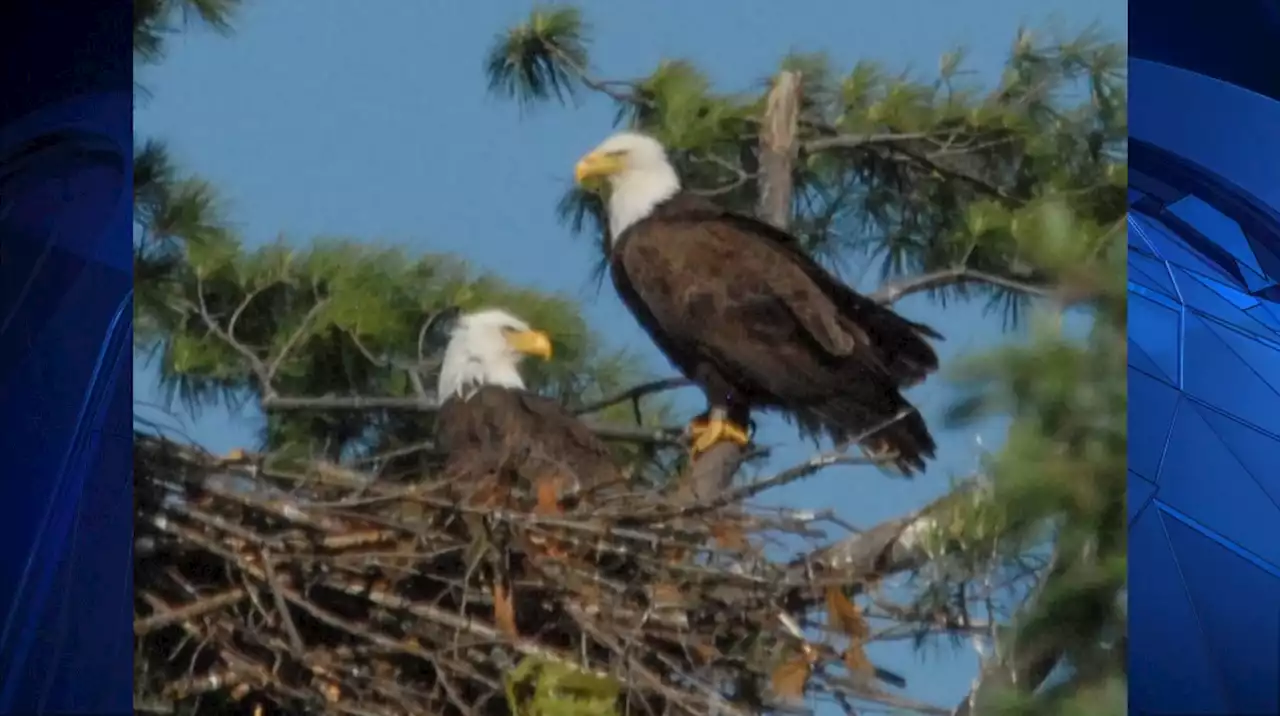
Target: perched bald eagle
(502,441)
(742,310)
(489,424)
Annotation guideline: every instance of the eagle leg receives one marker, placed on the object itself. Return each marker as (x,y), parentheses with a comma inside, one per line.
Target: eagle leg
(714,429)
(879,449)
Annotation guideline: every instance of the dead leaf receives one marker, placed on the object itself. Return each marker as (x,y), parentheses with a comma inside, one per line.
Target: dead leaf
(589,594)
(673,555)
(489,494)
(845,616)
(665,596)
(234,456)
(856,661)
(705,652)
(332,693)
(729,536)
(791,677)
(504,611)
(547,490)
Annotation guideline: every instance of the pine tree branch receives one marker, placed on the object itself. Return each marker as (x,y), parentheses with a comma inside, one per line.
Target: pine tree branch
(203,605)
(712,472)
(982,185)
(355,403)
(809,467)
(256,365)
(1029,668)
(662,435)
(894,292)
(888,548)
(292,342)
(857,141)
(634,394)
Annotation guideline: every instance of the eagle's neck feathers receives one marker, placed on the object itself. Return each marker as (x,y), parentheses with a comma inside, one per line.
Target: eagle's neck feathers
(463,374)
(636,194)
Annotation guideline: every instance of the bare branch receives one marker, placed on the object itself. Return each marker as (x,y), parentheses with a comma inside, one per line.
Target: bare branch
(282,608)
(857,141)
(429,404)
(195,609)
(1025,669)
(357,403)
(635,393)
(888,548)
(893,292)
(292,342)
(255,363)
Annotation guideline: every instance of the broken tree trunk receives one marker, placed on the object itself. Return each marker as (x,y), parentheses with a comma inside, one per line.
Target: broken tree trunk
(712,473)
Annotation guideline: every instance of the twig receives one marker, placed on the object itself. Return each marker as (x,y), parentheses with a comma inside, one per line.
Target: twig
(292,342)
(639,391)
(354,403)
(282,607)
(856,141)
(798,472)
(661,435)
(255,363)
(893,292)
(195,609)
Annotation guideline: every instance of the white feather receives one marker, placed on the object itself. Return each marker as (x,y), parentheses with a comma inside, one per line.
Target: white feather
(646,179)
(478,355)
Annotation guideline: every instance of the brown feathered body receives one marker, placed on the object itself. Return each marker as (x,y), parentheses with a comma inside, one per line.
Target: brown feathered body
(521,439)
(739,307)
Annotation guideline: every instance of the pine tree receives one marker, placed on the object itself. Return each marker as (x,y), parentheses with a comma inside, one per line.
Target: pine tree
(1014,195)
(312,332)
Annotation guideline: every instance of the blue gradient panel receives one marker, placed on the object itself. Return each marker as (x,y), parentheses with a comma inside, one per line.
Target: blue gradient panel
(1204,358)
(66,324)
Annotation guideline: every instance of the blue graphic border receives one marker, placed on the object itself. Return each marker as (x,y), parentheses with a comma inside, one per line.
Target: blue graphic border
(66,327)
(1204,358)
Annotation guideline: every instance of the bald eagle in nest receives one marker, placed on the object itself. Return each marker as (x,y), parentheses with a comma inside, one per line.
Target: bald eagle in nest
(489,423)
(739,307)
(502,441)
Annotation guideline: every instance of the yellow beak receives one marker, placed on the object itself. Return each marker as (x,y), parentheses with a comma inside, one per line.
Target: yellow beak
(532,343)
(596,166)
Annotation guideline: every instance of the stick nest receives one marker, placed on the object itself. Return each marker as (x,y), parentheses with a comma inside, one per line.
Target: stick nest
(318,590)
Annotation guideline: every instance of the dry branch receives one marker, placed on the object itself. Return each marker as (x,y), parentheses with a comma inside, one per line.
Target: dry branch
(712,473)
(324,596)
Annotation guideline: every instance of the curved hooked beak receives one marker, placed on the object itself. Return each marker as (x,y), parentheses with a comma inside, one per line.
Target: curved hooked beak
(596,167)
(530,343)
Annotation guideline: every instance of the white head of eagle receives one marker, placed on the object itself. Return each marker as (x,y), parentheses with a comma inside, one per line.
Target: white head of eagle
(486,348)
(639,175)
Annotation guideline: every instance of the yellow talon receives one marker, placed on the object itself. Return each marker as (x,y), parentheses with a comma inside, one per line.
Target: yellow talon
(713,430)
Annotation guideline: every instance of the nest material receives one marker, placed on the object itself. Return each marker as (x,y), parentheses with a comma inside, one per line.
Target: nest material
(321,591)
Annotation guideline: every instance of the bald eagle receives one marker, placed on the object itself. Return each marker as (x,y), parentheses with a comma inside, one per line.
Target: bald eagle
(739,307)
(489,424)
(500,439)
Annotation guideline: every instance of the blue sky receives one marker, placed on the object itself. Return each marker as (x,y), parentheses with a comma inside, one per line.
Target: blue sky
(332,118)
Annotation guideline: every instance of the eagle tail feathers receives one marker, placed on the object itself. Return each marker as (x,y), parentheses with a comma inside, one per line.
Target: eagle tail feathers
(904,442)
(902,346)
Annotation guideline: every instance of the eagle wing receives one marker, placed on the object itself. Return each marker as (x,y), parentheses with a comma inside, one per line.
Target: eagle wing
(522,435)
(719,294)
(842,321)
